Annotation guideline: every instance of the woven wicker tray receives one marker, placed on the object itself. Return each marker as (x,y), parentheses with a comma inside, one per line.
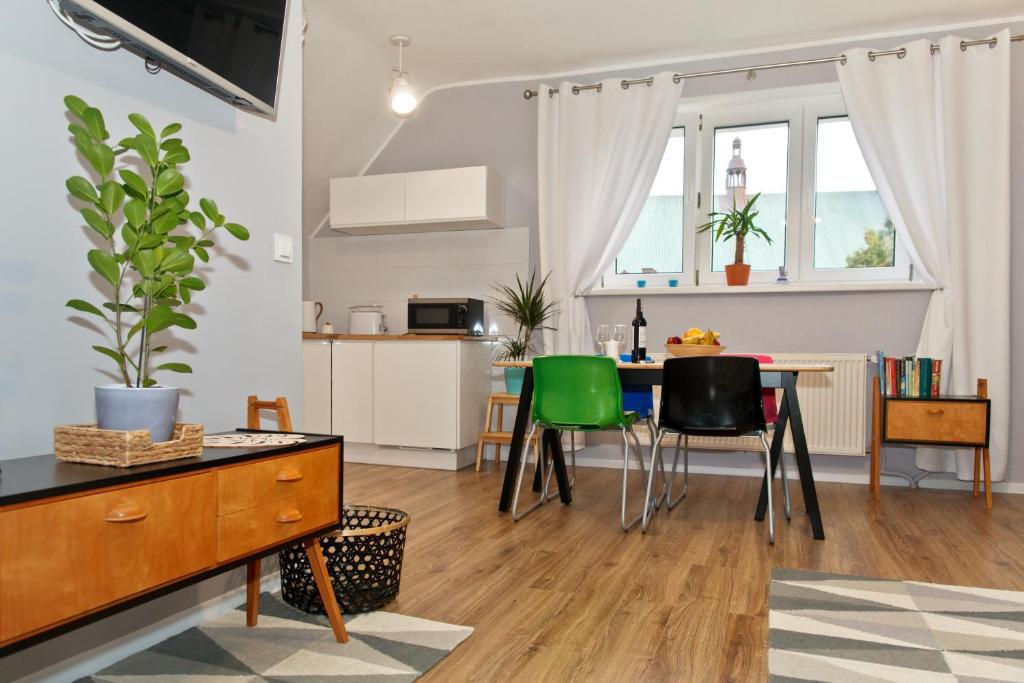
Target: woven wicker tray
(86,443)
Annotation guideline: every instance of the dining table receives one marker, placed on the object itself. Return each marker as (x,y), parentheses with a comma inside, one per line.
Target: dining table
(781,375)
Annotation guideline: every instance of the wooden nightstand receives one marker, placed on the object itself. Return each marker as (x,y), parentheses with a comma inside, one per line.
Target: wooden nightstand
(953,421)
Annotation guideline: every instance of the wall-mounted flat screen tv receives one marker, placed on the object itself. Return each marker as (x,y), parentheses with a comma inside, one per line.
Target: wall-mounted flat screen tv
(230,48)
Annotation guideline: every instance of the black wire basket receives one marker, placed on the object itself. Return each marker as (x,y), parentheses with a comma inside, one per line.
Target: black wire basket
(364,561)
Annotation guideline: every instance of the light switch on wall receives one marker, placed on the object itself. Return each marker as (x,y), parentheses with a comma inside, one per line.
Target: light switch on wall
(283,247)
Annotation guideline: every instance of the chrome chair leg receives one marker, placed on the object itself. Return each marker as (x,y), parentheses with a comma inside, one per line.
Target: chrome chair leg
(516,514)
(686,470)
(768,486)
(572,456)
(652,430)
(652,501)
(626,526)
(547,478)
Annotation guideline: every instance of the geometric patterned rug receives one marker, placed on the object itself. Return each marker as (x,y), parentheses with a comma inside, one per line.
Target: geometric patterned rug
(830,627)
(290,646)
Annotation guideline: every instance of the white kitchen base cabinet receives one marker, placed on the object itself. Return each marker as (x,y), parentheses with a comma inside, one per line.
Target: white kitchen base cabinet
(406,403)
(352,390)
(316,387)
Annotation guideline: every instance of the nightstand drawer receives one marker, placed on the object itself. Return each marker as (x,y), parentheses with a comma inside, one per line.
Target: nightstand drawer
(940,422)
(69,557)
(246,486)
(244,532)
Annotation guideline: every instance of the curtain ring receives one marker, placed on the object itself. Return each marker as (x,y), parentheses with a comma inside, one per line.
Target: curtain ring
(992,43)
(624,84)
(600,87)
(676,78)
(842,60)
(551,93)
(871,56)
(902,53)
(575,90)
(963,46)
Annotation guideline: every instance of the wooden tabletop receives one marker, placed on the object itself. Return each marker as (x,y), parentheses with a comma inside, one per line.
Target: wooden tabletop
(765,367)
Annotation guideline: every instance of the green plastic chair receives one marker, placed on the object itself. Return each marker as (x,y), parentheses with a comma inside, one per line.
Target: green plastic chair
(578,394)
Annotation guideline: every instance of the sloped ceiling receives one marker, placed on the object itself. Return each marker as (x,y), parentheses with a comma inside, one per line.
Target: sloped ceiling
(348,59)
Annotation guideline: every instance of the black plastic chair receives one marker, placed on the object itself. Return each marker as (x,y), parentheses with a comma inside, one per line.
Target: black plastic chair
(711,396)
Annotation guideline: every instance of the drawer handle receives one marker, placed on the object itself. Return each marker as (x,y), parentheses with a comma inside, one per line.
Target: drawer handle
(289,474)
(129,512)
(936,412)
(289,516)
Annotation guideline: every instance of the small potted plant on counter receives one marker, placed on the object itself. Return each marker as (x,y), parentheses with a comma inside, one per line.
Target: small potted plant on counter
(146,240)
(736,224)
(528,307)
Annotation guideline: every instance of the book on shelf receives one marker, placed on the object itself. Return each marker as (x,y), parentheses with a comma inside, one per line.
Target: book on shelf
(909,376)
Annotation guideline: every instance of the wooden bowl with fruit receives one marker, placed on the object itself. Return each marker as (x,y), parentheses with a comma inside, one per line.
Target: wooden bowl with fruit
(695,342)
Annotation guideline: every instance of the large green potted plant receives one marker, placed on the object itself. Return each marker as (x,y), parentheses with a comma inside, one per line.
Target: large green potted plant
(736,224)
(146,240)
(528,307)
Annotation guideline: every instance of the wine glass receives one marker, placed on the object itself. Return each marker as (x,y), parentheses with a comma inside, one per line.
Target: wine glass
(619,336)
(602,337)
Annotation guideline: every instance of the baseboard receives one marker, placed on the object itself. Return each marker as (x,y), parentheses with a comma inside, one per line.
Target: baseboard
(428,458)
(752,469)
(92,661)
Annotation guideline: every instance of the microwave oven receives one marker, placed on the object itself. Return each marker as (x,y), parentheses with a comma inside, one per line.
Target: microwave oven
(446,316)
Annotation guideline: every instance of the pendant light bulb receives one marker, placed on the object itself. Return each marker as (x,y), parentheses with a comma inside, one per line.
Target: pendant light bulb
(403,99)
(401,96)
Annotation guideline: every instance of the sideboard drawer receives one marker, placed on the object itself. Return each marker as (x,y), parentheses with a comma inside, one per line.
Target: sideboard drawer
(952,422)
(68,557)
(242,533)
(245,486)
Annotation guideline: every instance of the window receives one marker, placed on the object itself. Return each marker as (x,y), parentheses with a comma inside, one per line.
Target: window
(764,149)
(657,240)
(817,199)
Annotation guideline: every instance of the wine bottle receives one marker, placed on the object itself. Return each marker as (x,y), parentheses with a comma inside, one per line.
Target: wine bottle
(639,335)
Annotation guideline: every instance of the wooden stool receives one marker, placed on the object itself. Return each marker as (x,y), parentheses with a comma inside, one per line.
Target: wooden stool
(278,405)
(497,437)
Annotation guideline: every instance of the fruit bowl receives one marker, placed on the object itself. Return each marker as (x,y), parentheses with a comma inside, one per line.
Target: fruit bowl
(684,350)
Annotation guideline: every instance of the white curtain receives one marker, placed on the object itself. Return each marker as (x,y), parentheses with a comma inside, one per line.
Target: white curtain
(598,153)
(935,132)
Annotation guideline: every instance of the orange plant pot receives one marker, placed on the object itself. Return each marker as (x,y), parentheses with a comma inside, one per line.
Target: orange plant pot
(737,274)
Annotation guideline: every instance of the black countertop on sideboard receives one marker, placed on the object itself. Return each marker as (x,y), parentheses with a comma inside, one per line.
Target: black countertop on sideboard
(43,476)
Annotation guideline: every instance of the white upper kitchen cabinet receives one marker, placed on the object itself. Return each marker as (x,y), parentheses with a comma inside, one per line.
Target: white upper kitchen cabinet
(352,390)
(316,387)
(368,200)
(415,394)
(470,198)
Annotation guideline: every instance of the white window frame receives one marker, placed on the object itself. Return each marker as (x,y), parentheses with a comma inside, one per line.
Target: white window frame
(689,123)
(800,107)
(900,270)
(751,115)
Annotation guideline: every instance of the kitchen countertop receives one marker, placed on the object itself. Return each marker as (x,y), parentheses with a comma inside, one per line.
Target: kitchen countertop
(395,337)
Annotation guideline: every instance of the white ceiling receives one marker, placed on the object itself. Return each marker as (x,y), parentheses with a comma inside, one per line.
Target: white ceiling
(347,56)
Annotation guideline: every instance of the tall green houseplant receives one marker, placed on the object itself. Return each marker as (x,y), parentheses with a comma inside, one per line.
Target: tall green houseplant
(529,307)
(147,239)
(736,224)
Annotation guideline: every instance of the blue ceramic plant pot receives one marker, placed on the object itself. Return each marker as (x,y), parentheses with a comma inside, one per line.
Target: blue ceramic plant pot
(128,408)
(514,380)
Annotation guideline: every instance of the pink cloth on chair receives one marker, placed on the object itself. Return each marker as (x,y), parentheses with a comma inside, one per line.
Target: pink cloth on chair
(768,402)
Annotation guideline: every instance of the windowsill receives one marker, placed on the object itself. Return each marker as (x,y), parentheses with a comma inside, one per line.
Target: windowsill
(791,288)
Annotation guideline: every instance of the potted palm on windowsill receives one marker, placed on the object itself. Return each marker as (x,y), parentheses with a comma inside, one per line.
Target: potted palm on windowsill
(737,224)
(527,305)
(146,240)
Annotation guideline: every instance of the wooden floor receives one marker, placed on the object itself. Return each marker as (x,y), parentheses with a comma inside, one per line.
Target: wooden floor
(565,595)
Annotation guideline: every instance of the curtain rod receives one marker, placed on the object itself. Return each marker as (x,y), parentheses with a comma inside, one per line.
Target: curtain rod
(899,52)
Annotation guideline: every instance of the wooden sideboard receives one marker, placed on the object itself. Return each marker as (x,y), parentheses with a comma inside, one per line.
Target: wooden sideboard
(80,542)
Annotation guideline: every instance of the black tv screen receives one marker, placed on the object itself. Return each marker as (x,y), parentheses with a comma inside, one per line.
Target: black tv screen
(239,40)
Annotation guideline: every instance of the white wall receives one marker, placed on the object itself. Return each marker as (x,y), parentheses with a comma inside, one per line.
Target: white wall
(249,317)
(389,269)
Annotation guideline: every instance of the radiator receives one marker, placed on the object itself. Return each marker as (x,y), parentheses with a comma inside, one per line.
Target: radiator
(833,406)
